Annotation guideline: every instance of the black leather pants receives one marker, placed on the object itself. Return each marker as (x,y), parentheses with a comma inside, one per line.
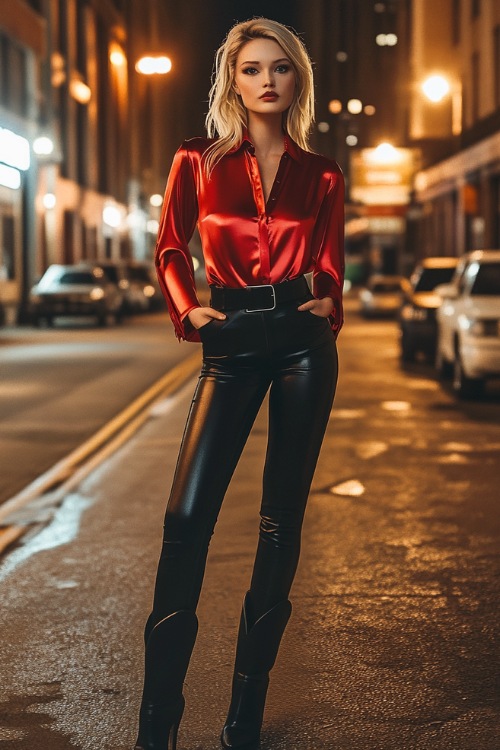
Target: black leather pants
(294,354)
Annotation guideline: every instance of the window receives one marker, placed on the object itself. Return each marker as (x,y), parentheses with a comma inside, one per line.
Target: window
(496,63)
(475,86)
(13,76)
(7,247)
(487,281)
(455,21)
(36,5)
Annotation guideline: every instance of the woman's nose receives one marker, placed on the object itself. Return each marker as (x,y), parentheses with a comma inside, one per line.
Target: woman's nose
(269,81)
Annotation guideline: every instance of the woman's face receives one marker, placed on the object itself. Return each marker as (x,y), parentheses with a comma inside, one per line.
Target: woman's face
(264,77)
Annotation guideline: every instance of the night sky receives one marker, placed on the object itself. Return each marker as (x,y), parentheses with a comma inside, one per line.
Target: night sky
(192,35)
(229,12)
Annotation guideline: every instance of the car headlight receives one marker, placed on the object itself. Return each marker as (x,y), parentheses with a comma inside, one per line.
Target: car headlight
(96,293)
(413,313)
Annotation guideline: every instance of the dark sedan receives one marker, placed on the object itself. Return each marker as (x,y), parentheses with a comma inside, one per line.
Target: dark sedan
(417,317)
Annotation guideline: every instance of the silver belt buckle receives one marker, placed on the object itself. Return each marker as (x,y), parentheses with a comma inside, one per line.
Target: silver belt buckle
(261,286)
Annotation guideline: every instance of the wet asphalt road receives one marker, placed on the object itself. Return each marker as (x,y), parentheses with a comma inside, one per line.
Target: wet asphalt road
(394,639)
(59,386)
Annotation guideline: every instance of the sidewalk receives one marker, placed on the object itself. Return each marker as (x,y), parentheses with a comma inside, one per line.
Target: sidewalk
(391,645)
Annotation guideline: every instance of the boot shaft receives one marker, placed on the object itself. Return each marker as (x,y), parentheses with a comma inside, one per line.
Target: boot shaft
(259,641)
(168,651)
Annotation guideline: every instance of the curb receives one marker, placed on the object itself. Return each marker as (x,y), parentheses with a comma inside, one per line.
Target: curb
(69,471)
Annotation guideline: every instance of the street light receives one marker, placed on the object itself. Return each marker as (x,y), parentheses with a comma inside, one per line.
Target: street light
(435,88)
(355,106)
(43,145)
(438,87)
(154,65)
(385,153)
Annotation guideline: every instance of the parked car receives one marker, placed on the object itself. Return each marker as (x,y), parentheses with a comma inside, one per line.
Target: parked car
(143,279)
(468,342)
(417,317)
(75,290)
(116,271)
(135,280)
(382,295)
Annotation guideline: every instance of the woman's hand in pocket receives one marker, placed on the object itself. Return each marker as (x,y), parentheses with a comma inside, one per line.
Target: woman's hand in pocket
(320,307)
(200,316)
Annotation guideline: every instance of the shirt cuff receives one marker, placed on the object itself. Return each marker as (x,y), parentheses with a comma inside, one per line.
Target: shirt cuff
(325,285)
(177,284)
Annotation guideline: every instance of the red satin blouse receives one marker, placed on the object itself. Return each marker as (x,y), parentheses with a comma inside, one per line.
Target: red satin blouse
(245,240)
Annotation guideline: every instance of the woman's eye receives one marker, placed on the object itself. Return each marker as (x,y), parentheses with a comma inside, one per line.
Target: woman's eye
(282,68)
(250,71)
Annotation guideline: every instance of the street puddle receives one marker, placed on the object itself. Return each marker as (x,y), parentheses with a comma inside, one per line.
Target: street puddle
(347,413)
(399,407)
(371,449)
(423,385)
(453,458)
(460,447)
(25,724)
(62,529)
(350,488)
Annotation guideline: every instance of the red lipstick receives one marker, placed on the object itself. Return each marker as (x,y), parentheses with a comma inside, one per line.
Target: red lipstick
(269,96)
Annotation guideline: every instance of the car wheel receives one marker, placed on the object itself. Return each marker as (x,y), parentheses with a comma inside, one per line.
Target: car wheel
(103,318)
(407,350)
(43,320)
(464,386)
(443,366)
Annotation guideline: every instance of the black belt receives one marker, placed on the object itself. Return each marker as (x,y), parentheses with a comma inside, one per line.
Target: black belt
(257,298)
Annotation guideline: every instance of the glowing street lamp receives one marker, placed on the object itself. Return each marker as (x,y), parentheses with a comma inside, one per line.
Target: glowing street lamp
(156,200)
(43,146)
(438,87)
(335,106)
(117,56)
(435,88)
(355,106)
(154,65)
(385,153)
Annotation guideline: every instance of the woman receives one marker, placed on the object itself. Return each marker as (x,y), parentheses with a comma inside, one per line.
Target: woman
(268,211)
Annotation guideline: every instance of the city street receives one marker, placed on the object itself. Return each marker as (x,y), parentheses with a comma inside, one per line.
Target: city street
(59,386)
(394,639)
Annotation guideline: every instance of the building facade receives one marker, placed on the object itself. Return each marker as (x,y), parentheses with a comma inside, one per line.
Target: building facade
(457,192)
(98,136)
(22,48)
(360,50)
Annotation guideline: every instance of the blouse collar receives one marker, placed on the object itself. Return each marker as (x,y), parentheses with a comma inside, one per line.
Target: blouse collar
(290,147)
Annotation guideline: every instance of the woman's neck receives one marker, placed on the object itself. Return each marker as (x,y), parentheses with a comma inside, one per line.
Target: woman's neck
(266,133)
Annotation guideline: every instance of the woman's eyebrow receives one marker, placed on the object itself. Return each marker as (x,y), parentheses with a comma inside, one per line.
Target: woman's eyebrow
(257,62)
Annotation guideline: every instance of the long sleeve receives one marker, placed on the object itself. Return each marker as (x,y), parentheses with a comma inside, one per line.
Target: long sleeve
(174,265)
(328,274)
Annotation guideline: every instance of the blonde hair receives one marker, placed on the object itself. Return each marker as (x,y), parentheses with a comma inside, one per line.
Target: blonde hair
(227,116)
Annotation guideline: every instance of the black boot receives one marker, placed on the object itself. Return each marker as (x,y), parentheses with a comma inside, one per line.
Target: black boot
(256,653)
(168,649)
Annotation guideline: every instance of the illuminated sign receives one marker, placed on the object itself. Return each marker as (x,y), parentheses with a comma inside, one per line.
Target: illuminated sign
(10,177)
(383,175)
(14,149)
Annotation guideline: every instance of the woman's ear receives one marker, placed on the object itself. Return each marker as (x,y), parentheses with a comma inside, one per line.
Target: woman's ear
(236,87)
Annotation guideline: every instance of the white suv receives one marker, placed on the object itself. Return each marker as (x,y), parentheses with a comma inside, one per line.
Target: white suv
(468,342)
